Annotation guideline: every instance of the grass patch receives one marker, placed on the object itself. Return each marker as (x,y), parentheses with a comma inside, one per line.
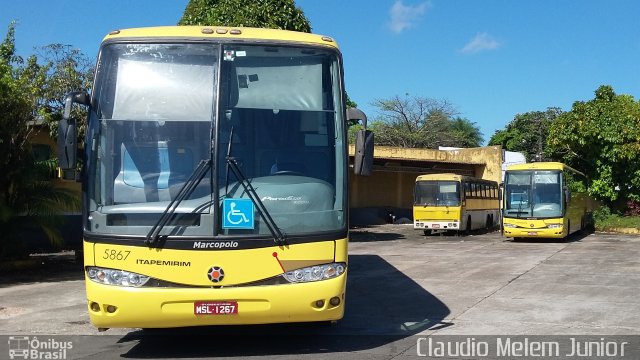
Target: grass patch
(606,220)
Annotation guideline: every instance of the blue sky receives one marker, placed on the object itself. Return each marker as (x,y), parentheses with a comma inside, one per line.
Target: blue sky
(492,59)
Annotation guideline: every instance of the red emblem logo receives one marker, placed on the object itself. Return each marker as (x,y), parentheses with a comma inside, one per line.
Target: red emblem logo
(215,274)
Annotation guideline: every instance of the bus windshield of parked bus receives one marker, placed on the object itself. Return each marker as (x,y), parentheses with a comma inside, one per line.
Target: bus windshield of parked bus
(437,193)
(163,108)
(536,194)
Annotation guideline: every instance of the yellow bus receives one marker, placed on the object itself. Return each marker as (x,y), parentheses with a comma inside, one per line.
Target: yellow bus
(545,200)
(215,178)
(451,202)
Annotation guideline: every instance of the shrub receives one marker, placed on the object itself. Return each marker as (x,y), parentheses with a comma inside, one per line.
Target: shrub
(601,214)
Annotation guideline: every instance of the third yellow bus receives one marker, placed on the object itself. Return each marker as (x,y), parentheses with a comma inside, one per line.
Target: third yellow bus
(545,200)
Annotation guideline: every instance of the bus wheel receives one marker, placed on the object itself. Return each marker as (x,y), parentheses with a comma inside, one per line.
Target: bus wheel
(427,232)
(489,225)
(467,229)
(590,225)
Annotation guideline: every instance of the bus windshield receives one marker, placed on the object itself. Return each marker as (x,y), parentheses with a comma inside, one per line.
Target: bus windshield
(533,194)
(159,109)
(437,193)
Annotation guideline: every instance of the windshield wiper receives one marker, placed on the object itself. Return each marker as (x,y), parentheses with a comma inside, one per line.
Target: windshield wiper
(232,163)
(519,208)
(185,191)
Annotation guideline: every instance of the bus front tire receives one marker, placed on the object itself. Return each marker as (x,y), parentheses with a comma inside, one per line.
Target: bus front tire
(467,229)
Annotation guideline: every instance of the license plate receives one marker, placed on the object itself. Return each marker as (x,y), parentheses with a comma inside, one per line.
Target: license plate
(215,308)
(532,233)
(435,226)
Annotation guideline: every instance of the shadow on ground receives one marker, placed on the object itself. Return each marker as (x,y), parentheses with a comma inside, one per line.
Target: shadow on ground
(575,237)
(376,233)
(383,306)
(42,268)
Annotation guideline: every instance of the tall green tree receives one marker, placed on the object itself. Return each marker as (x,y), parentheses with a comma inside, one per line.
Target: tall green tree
(27,196)
(420,122)
(273,14)
(527,133)
(601,137)
(466,133)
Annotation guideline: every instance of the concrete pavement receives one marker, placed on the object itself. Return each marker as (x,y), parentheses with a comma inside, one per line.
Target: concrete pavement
(402,282)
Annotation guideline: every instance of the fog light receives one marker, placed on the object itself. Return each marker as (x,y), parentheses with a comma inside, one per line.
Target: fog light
(111,309)
(335,301)
(319,304)
(94,306)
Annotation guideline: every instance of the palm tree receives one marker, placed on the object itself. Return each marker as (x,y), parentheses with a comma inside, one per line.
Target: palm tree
(33,202)
(28,198)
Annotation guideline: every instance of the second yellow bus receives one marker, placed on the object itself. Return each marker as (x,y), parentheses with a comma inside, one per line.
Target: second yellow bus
(451,202)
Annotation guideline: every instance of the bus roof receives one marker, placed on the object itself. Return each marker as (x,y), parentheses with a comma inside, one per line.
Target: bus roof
(220,32)
(441,176)
(450,177)
(543,166)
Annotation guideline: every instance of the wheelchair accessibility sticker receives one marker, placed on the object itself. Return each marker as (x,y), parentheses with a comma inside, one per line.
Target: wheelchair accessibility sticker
(237,214)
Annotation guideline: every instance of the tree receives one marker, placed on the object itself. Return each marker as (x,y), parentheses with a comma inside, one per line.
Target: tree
(466,132)
(601,137)
(419,122)
(65,69)
(273,14)
(15,112)
(527,133)
(27,196)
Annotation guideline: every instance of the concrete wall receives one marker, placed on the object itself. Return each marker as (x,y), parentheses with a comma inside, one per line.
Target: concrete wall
(40,136)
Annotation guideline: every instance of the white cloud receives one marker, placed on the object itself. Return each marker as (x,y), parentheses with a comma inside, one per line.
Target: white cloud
(405,16)
(482,42)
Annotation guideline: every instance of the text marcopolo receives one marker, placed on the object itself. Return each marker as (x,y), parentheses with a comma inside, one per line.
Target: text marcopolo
(215,245)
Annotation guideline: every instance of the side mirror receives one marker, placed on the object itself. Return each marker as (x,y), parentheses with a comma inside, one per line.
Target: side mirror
(67,133)
(567,195)
(363,158)
(67,144)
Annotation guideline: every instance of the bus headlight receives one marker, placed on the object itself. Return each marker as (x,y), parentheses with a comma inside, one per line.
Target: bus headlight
(315,273)
(116,277)
(507,225)
(554,226)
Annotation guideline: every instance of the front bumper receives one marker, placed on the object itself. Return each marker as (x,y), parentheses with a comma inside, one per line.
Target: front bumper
(543,233)
(117,307)
(436,225)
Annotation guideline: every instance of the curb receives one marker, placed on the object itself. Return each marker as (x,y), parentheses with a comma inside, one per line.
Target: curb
(632,231)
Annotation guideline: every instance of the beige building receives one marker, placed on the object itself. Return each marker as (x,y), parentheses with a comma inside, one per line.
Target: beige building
(390,187)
